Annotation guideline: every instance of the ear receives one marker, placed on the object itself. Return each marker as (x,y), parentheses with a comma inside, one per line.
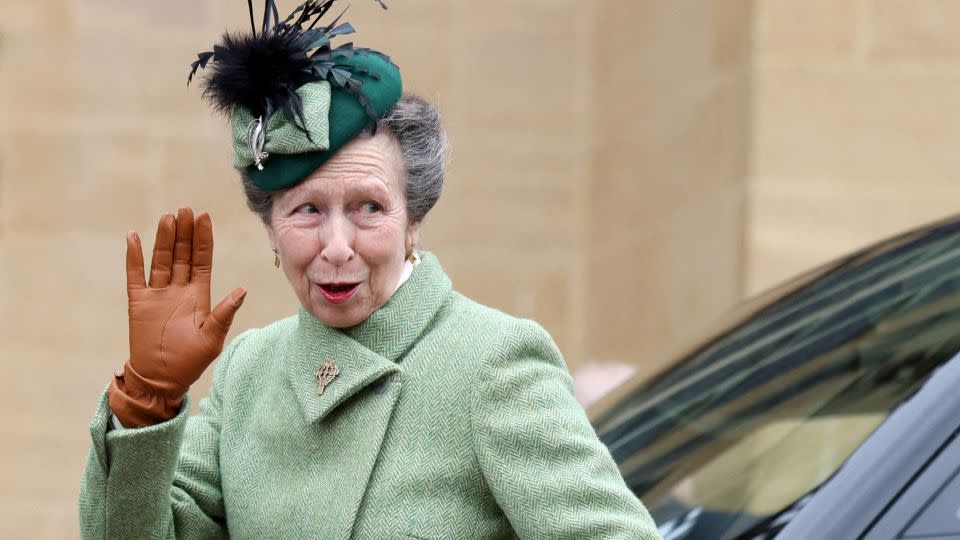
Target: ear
(413,233)
(271,235)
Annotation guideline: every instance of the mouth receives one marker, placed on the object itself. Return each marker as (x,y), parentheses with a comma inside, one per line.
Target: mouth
(337,293)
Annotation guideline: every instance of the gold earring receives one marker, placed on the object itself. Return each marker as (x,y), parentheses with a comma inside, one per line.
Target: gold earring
(276,258)
(410,256)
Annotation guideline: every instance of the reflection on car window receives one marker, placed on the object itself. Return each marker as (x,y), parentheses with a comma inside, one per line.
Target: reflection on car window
(745,427)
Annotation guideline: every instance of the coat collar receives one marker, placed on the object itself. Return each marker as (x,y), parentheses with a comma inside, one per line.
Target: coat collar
(368,352)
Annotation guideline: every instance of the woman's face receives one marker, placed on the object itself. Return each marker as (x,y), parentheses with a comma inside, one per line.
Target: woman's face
(343,233)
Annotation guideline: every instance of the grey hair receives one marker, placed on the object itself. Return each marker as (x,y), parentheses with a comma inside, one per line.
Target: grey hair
(423,143)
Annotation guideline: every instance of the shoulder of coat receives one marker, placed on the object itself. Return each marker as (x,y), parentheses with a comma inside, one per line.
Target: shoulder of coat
(268,335)
(472,317)
(250,346)
(489,331)
(465,311)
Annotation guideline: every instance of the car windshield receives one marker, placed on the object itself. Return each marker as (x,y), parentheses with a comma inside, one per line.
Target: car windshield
(736,433)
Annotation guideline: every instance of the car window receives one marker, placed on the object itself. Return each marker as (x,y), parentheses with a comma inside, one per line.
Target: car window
(799,454)
(738,432)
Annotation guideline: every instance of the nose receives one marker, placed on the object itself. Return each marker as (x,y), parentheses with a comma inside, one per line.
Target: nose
(337,239)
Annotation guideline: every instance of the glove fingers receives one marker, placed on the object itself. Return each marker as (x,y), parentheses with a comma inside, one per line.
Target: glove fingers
(135,279)
(222,315)
(183,246)
(162,261)
(202,258)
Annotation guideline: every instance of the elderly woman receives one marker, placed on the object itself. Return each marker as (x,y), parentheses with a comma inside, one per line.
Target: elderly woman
(391,406)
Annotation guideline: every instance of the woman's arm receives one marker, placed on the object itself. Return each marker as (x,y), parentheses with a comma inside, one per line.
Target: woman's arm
(547,469)
(137,482)
(161,481)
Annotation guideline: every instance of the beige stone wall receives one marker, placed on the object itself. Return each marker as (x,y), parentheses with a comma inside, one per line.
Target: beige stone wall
(856,114)
(666,185)
(598,185)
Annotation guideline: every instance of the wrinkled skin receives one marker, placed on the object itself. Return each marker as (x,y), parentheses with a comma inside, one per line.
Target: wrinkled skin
(347,223)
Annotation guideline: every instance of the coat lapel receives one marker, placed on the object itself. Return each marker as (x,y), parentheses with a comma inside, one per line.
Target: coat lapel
(314,344)
(369,351)
(352,423)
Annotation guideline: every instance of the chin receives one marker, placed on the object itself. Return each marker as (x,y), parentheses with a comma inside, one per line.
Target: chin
(339,317)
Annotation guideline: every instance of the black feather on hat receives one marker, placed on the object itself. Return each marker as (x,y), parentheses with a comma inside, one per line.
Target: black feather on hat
(261,72)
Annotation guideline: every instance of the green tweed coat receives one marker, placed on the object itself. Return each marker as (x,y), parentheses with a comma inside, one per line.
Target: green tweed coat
(448,420)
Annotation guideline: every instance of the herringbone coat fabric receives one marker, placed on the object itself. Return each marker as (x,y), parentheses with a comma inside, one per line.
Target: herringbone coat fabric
(447,420)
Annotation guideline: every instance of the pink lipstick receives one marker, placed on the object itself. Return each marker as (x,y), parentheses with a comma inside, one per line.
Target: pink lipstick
(338,293)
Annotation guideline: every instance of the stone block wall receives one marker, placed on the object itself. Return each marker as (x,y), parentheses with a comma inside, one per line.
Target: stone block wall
(856,112)
(666,214)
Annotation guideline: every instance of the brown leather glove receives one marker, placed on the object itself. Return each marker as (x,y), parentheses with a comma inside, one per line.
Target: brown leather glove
(174,335)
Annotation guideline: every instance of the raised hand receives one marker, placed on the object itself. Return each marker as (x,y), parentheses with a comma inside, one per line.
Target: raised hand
(174,335)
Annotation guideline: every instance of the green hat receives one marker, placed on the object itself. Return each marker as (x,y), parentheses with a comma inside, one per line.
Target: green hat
(294,101)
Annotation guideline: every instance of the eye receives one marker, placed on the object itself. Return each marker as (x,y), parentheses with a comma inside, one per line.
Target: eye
(371,207)
(307,209)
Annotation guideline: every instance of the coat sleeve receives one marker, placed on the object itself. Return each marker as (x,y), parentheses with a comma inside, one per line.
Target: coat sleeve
(541,458)
(160,481)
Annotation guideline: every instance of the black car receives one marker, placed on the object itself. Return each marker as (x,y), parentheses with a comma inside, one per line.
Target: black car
(828,409)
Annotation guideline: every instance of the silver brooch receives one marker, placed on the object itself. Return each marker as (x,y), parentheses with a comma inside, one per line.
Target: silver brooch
(256,138)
